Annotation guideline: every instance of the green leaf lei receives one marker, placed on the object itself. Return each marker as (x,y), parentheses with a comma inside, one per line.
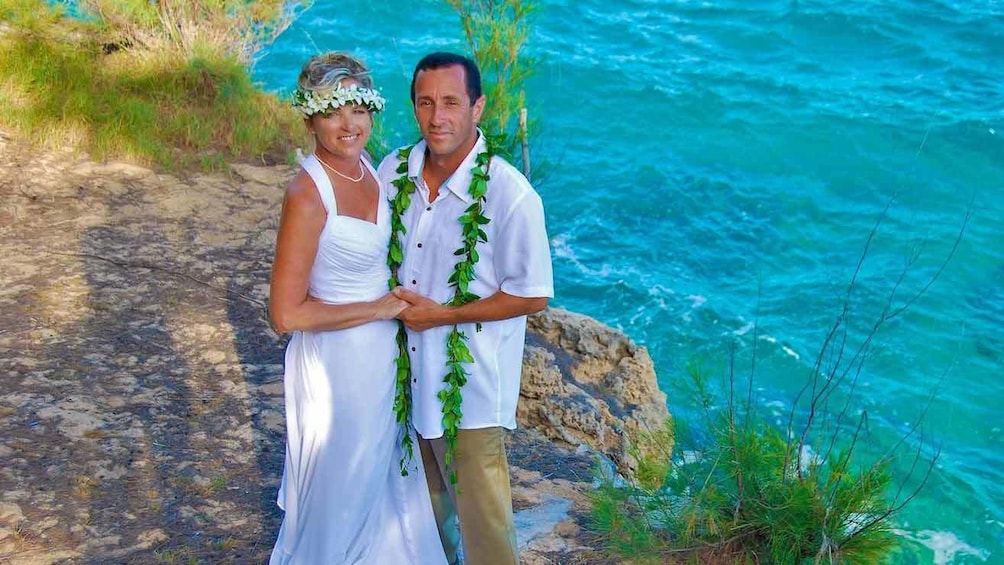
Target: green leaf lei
(457,351)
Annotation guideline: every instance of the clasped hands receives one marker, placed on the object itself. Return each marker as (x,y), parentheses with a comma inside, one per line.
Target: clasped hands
(418,312)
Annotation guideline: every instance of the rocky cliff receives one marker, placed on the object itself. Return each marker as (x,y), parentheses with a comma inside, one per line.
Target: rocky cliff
(141,412)
(587,384)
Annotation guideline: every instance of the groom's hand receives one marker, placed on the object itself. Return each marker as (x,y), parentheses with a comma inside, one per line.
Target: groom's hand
(422,313)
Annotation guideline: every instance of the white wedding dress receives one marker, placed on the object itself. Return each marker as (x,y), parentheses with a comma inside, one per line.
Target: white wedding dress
(342,491)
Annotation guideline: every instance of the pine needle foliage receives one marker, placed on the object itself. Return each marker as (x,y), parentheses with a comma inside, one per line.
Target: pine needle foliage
(739,489)
(496,31)
(733,493)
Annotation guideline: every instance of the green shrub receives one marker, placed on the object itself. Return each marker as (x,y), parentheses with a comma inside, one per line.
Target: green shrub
(736,493)
(496,31)
(219,29)
(743,490)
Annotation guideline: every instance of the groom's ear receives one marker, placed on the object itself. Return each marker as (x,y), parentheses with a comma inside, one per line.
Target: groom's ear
(479,108)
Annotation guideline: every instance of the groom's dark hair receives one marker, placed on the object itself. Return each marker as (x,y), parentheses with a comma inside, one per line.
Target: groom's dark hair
(439,60)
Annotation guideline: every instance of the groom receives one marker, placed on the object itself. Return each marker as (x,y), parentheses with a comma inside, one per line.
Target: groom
(512,277)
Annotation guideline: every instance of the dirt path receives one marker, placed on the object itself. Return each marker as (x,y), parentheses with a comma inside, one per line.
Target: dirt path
(141,406)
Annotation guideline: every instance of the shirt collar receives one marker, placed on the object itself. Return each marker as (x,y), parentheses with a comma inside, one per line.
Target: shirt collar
(460,180)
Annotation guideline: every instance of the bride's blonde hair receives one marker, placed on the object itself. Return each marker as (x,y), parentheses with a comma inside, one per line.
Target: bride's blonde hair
(328,70)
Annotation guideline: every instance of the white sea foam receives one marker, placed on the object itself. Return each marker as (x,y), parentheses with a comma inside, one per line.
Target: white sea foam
(787,350)
(646,311)
(688,38)
(945,545)
(791,352)
(561,246)
(563,250)
(777,408)
(744,330)
(658,290)
(697,300)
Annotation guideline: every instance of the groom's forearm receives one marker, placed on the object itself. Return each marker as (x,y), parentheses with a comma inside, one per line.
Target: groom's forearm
(425,314)
(499,306)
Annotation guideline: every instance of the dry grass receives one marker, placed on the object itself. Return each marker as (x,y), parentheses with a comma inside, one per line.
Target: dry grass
(166,88)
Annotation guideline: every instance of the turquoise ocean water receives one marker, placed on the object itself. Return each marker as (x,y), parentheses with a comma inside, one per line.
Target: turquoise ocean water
(717,166)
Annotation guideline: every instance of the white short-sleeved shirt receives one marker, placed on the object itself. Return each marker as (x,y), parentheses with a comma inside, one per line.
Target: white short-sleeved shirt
(516,260)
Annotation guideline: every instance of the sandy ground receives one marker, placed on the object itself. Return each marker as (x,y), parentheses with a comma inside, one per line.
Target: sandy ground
(141,400)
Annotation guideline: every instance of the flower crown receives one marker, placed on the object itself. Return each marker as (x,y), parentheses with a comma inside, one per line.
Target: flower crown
(310,102)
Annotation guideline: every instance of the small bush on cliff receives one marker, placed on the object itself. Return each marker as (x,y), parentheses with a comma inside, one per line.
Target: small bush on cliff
(743,490)
(218,29)
(162,83)
(496,31)
(732,497)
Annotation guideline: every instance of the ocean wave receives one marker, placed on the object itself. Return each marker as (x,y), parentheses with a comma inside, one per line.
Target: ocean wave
(946,546)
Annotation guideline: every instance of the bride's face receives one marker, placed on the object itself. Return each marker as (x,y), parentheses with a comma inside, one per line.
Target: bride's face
(344,131)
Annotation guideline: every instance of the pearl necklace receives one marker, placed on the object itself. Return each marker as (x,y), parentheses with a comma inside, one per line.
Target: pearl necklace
(344,176)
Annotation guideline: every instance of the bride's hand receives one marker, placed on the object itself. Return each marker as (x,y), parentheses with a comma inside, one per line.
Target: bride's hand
(389,306)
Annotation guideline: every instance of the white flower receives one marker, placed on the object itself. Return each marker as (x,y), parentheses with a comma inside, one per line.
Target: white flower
(310,102)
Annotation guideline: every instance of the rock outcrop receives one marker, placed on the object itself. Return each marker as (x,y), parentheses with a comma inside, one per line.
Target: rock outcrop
(587,384)
(141,413)
(587,391)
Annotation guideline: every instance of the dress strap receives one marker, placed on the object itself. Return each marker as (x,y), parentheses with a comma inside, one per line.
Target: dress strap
(322,182)
(382,191)
(369,167)
(383,196)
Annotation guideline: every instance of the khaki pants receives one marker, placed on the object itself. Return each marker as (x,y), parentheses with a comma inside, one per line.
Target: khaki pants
(482,498)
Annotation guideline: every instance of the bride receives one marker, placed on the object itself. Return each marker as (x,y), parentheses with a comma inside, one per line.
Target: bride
(344,498)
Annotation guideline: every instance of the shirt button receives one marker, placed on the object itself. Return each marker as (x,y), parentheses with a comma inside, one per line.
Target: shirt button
(413,349)
(429,209)
(419,245)
(414,380)
(413,281)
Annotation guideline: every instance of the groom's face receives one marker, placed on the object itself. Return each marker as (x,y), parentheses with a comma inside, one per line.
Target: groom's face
(444,111)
